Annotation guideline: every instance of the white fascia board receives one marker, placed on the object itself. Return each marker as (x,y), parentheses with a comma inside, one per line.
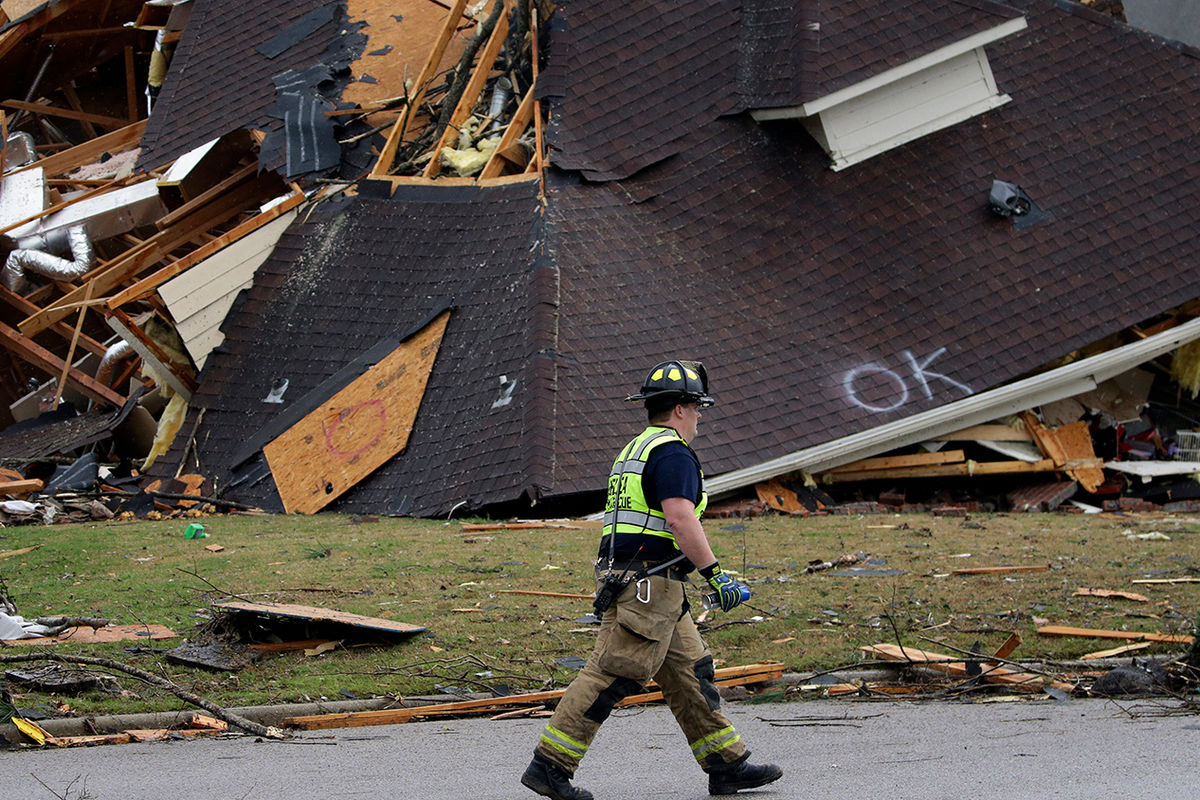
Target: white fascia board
(892,75)
(1057,384)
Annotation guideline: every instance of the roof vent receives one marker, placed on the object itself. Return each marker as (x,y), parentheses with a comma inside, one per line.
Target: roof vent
(1009,200)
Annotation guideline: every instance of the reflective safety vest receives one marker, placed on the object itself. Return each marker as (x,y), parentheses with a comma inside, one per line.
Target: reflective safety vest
(626,510)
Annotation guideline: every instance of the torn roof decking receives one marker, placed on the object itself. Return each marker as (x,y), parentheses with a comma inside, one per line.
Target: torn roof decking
(228,85)
(823,303)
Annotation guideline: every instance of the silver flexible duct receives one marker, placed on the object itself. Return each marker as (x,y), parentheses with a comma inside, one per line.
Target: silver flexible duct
(118,352)
(49,265)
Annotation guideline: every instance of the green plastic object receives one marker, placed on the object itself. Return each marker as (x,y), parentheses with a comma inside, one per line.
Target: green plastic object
(194,531)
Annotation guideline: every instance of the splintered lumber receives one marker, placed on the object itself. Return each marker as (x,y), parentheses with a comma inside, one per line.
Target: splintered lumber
(730,676)
(1016,679)
(1115,651)
(20,489)
(995,570)
(1010,644)
(404,123)
(357,430)
(1070,447)
(1138,598)
(19,552)
(1096,633)
(315,614)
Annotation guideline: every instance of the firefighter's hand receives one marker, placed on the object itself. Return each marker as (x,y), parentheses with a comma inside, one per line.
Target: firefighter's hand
(730,592)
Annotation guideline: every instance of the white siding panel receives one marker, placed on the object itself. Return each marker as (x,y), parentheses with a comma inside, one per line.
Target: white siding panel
(199,298)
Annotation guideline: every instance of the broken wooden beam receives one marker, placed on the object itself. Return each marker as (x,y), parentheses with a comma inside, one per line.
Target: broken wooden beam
(81,154)
(1016,679)
(28,350)
(20,489)
(966,469)
(895,462)
(1097,633)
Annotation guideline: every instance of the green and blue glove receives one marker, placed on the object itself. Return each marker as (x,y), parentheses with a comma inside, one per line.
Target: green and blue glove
(727,591)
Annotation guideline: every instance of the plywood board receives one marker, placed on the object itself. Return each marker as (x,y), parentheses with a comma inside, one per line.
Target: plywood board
(1097,633)
(109,633)
(400,35)
(317,614)
(357,430)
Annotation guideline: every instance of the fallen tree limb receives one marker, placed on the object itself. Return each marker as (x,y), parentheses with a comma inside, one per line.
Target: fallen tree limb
(218,711)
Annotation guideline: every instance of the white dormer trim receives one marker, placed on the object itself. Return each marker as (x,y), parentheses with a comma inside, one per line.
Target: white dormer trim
(935,91)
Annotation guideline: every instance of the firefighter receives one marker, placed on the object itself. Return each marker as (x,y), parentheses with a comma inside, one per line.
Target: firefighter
(652,539)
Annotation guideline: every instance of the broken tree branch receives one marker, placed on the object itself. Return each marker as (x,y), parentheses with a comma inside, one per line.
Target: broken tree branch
(183,694)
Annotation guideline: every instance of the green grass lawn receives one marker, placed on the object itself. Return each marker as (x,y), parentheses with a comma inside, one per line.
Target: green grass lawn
(426,572)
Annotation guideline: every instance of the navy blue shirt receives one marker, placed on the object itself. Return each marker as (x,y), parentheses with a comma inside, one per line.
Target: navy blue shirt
(672,470)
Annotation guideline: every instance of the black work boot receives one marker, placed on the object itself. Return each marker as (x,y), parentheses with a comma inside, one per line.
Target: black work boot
(742,775)
(551,780)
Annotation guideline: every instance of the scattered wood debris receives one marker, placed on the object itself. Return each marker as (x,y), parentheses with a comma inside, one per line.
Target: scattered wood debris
(730,676)
(990,672)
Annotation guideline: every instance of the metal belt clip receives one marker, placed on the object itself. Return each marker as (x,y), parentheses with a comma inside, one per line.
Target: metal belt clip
(644,582)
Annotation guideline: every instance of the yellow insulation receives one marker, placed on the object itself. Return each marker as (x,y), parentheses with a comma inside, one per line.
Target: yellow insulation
(1185,367)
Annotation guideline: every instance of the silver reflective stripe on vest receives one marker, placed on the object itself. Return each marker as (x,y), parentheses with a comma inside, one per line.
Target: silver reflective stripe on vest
(641,519)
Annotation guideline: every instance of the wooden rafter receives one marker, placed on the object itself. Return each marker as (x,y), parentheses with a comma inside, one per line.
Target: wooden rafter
(28,350)
(65,113)
(131,263)
(404,122)
(470,95)
(72,158)
(514,131)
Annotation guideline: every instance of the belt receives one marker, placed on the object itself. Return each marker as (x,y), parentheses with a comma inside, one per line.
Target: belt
(674,573)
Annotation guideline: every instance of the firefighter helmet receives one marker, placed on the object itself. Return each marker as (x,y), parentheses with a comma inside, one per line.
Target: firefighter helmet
(687,380)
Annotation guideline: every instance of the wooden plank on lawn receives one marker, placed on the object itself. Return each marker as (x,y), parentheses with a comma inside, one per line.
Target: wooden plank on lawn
(357,430)
(20,551)
(1097,633)
(997,570)
(1115,651)
(1084,592)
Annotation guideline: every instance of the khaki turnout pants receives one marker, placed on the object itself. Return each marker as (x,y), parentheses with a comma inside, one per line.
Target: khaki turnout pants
(645,634)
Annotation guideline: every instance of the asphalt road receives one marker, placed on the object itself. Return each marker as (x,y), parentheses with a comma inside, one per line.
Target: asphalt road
(828,749)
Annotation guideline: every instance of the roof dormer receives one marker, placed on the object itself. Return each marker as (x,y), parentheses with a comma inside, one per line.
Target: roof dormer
(928,93)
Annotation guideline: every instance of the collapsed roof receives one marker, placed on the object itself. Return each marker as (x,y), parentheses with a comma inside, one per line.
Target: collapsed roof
(721,185)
